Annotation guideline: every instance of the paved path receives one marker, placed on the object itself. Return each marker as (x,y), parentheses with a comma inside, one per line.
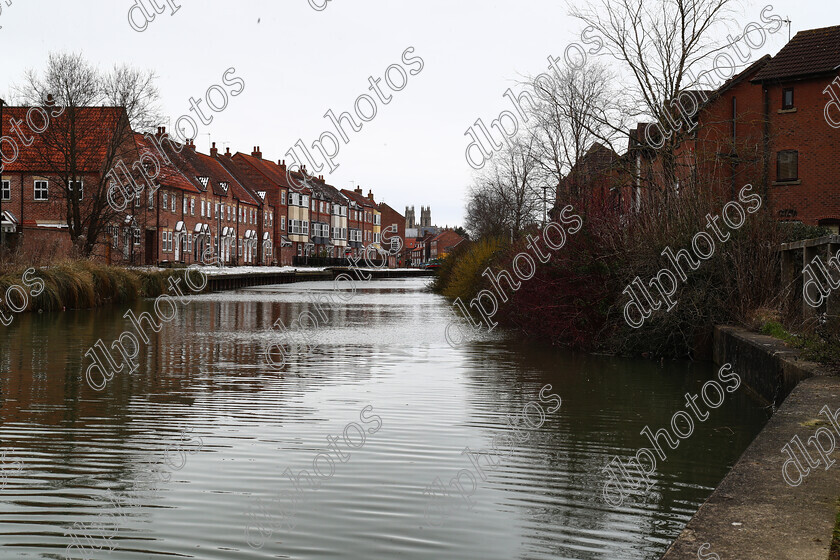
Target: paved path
(754,514)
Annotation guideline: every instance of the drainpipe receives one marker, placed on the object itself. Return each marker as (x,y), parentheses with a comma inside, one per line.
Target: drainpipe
(732,160)
(766,178)
(22,187)
(157,225)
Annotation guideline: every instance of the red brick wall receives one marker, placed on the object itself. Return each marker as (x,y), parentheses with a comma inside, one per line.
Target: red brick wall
(817,197)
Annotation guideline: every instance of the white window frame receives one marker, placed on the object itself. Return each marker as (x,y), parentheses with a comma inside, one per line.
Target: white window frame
(283,223)
(81,189)
(282,197)
(6,189)
(165,205)
(45,190)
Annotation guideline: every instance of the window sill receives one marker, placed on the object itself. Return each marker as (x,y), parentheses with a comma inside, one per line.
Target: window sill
(786,183)
(785,111)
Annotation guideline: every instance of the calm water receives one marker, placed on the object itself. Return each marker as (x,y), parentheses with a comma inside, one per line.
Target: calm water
(203,387)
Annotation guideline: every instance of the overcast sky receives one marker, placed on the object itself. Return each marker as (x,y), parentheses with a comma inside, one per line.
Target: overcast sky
(297,63)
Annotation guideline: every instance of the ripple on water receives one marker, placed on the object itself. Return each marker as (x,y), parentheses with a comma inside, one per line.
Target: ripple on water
(70,451)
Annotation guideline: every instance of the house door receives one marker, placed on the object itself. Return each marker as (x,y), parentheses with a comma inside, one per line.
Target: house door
(177,247)
(151,249)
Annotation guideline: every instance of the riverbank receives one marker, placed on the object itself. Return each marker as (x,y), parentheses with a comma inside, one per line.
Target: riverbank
(611,286)
(87,284)
(754,513)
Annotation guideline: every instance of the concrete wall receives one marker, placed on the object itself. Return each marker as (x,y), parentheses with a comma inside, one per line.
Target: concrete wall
(765,364)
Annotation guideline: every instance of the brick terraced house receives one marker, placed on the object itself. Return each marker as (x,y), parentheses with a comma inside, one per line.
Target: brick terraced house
(148,200)
(775,125)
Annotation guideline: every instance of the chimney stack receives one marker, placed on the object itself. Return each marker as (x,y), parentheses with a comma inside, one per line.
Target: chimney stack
(227,152)
(358,190)
(213,151)
(370,194)
(257,153)
(191,144)
(282,164)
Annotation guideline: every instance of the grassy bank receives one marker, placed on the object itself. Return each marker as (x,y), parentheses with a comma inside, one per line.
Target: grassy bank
(81,284)
(579,297)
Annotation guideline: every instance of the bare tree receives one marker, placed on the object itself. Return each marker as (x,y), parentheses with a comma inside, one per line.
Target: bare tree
(506,196)
(663,44)
(576,109)
(89,135)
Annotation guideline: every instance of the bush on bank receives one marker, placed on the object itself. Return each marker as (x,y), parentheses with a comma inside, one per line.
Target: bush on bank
(576,299)
(83,284)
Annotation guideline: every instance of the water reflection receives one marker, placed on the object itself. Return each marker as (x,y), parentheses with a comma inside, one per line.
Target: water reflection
(383,347)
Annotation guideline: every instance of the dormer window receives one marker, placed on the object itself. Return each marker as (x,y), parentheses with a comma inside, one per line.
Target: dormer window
(203,181)
(224,186)
(787,99)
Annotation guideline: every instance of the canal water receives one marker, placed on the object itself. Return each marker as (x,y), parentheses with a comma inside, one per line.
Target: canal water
(185,457)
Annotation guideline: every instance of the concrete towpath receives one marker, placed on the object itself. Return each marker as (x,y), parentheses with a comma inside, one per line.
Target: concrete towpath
(754,514)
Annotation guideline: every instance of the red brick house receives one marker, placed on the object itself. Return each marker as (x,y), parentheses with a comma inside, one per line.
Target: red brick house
(273,177)
(165,209)
(36,185)
(393,235)
(355,225)
(443,243)
(227,214)
(169,204)
(803,149)
(267,195)
(366,207)
(770,126)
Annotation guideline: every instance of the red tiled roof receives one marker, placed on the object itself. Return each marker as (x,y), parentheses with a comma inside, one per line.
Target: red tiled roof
(95,129)
(219,174)
(272,171)
(169,175)
(358,198)
(249,178)
(809,53)
(195,165)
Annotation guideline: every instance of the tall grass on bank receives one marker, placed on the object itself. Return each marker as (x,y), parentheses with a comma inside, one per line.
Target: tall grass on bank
(84,284)
(576,299)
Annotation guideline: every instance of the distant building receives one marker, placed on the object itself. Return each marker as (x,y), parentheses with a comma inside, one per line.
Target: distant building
(418,230)
(394,240)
